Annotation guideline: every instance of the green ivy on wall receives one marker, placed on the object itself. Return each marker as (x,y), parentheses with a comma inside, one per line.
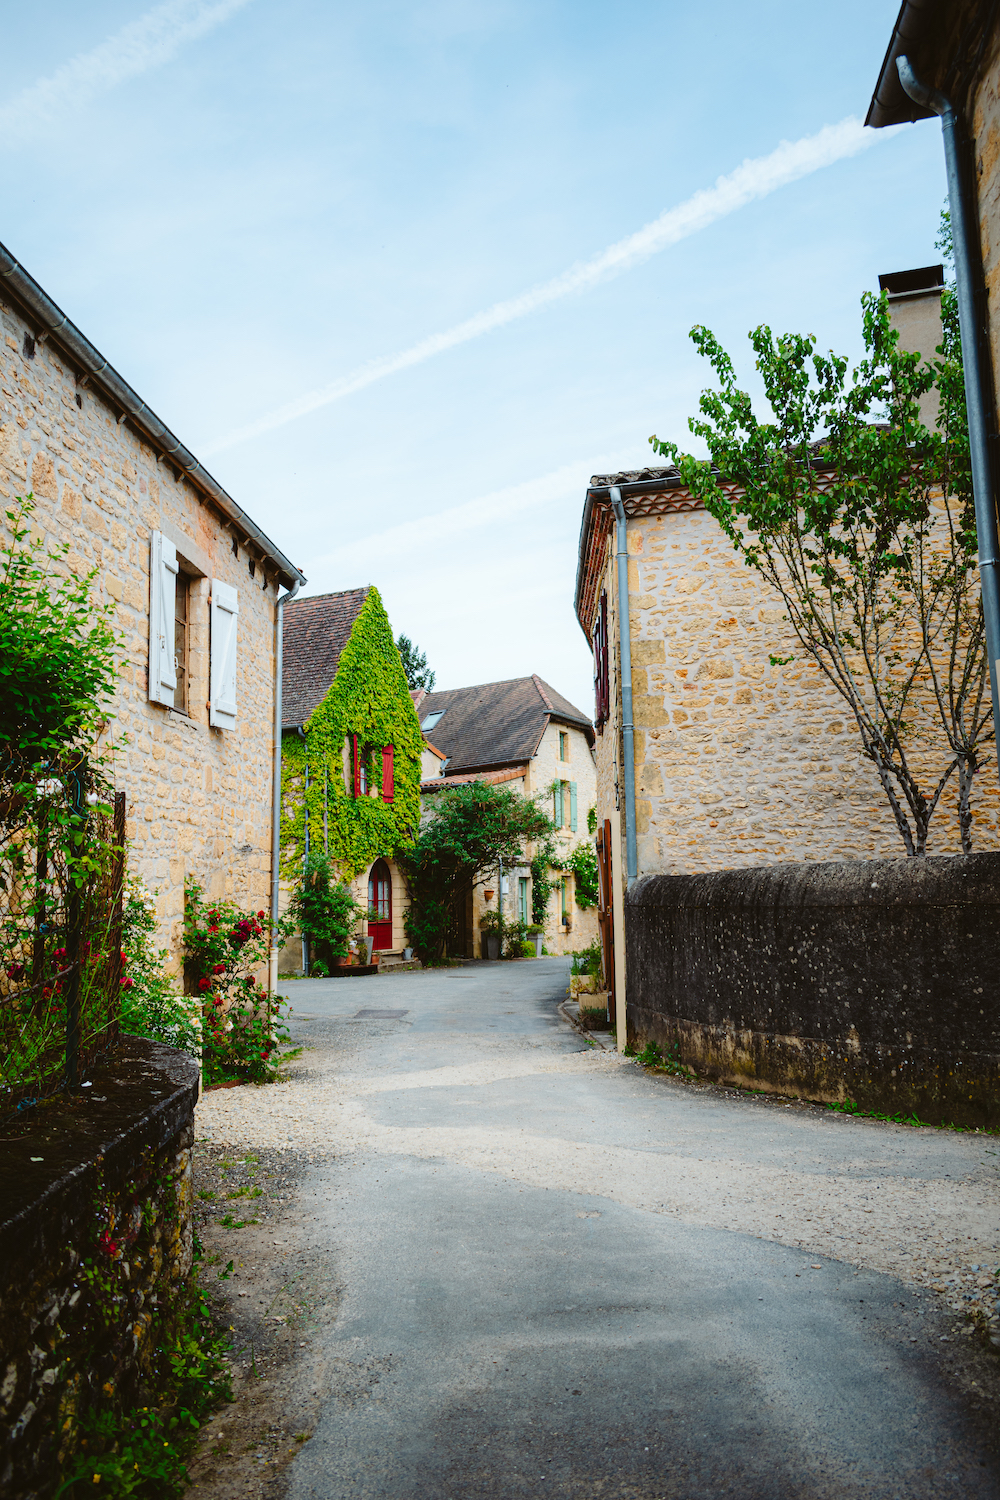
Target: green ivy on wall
(370,698)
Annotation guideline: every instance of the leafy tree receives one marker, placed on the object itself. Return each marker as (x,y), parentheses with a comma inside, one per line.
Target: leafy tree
(418,674)
(57,649)
(861,519)
(473,828)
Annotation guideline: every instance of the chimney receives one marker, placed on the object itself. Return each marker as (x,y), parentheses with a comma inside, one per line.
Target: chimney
(915,312)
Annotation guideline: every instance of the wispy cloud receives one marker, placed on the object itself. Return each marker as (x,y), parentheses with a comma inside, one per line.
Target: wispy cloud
(143,44)
(756,178)
(413,538)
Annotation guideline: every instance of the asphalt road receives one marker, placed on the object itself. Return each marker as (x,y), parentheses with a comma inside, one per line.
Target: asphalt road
(501,1334)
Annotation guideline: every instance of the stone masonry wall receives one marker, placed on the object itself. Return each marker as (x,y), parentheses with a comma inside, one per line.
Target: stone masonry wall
(95,1238)
(198,798)
(873,981)
(740,763)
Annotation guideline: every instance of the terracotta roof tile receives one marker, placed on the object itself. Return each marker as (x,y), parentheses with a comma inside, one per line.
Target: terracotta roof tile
(316,632)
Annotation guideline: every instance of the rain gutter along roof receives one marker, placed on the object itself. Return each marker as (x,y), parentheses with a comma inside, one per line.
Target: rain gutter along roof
(99,372)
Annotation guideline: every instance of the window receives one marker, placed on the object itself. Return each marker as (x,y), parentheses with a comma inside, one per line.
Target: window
(388,783)
(563,745)
(182,605)
(431,719)
(564,805)
(523,908)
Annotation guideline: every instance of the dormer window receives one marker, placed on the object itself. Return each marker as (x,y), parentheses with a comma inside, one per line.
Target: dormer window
(431,720)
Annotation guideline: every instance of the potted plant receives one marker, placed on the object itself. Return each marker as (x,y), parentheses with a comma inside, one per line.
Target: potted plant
(536,933)
(489,926)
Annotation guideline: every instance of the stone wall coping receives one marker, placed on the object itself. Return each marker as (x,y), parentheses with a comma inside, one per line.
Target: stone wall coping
(829,883)
(138,1101)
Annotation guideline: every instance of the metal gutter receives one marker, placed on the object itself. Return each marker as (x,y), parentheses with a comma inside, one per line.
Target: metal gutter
(279,664)
(972,368)
(890,104)
(625,677)
(57,326)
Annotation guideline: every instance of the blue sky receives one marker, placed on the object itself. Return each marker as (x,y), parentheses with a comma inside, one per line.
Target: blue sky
(242,202)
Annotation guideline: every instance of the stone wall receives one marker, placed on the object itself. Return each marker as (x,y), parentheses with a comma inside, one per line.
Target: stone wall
(872,980)
(198,798)
(95,1233)
(740,762)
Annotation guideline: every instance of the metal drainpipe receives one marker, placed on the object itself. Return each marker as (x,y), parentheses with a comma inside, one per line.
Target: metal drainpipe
(305,823)
(279,624)
(625,677)
(982,485)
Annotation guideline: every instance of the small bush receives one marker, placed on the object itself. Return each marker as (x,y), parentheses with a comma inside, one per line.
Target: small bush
(153,1004)
(326,913)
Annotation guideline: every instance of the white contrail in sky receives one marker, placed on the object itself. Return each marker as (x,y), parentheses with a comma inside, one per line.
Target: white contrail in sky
(409,536)
(754,179)
(143,44)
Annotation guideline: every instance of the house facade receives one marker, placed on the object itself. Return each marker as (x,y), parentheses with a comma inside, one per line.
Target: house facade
(744,753)
(524,733)
(351,758)
(194,584)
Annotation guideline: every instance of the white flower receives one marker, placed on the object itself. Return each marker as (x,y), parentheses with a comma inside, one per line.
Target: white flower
(92,799)
(49,787)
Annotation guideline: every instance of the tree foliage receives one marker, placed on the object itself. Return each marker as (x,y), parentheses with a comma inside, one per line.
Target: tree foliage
(57,649)
(418,674)
(861,518)
(473,828)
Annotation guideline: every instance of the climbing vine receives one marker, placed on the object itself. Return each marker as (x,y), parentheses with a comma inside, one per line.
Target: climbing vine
(369,697)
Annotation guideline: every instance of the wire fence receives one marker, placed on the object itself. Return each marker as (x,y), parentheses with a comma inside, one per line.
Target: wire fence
(62,875)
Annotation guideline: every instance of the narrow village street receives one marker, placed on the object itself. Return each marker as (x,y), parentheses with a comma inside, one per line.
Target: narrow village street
(547,1272)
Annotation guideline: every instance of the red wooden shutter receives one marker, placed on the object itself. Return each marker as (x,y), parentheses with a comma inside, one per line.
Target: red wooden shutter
(357,766)
(388,789)
(602,694)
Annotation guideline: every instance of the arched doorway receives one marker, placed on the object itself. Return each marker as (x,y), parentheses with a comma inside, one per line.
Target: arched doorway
(380,904)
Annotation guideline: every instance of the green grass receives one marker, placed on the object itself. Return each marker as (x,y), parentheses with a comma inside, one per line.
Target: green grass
(849,1107)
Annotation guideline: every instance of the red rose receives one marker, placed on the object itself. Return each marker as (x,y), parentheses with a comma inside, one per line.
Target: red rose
(219,969)
(261,914)
(204,984)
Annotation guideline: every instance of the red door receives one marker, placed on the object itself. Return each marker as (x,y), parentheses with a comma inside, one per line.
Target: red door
(380,904)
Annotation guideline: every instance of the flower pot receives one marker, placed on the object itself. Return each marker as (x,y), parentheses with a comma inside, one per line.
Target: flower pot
(491,945)
(344,962)
(489,895)
(539,939)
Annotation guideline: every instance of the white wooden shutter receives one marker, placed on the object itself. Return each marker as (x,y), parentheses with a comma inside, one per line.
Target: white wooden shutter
(162,588)
(225,613)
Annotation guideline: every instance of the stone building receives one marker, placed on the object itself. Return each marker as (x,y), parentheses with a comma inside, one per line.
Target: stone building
(523,733)
(744,752)
(194,582)
(351,756)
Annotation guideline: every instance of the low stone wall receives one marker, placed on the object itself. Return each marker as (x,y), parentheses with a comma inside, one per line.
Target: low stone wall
(871,980)
(95,1231)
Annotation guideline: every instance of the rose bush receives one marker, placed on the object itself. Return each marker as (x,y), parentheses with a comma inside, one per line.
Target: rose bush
(242,1025)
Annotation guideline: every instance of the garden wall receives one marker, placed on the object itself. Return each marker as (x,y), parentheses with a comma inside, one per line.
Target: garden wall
(95,1232)
(873,980)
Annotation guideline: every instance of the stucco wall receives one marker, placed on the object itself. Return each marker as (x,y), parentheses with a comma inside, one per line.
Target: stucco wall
(870,981)
(198,798)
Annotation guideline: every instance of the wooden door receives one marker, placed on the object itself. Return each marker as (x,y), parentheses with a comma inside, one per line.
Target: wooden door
(380,904)
(605,912)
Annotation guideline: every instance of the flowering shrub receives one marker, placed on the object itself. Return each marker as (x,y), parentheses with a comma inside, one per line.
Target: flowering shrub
(152,1004)
(242,1026)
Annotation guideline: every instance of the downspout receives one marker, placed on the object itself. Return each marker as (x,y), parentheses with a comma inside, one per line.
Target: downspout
(982,486)
(305,863)
(625,677)
(279,622)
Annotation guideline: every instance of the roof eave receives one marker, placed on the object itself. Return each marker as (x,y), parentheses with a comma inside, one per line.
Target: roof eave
(104,376)
(890,104)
